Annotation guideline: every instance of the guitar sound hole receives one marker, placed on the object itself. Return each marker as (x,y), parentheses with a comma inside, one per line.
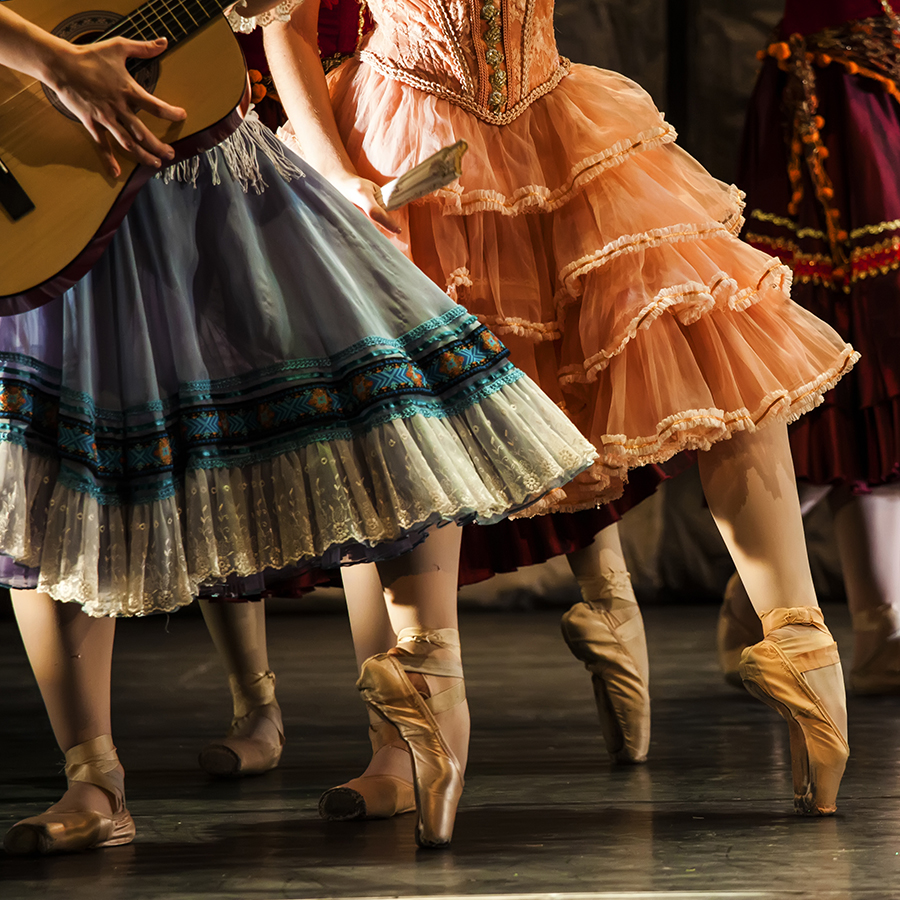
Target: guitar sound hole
(87,27)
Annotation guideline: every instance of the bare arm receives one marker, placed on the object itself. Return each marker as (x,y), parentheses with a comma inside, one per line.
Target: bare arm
(92,81)
(293,54)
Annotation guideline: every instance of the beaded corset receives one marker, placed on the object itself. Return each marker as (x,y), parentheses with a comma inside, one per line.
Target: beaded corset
(490,57)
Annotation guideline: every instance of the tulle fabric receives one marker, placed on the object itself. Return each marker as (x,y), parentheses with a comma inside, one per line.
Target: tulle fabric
(606,257)
(252,379)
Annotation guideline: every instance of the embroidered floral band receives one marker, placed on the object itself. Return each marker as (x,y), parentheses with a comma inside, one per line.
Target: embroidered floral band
(437,370)
(869,48)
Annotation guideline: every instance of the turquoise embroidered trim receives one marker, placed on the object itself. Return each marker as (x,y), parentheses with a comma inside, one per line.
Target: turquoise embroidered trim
(141,455)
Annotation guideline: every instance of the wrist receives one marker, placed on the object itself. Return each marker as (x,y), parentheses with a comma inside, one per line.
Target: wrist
(54,60)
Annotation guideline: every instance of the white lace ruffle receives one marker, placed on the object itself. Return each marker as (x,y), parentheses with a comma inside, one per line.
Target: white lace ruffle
(499,455)
(280,13)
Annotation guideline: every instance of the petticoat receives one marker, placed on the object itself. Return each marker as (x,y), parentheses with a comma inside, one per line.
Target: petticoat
(607,259)
(251,378)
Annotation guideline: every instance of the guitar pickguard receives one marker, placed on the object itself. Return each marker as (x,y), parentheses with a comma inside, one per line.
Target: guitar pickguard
(85,27)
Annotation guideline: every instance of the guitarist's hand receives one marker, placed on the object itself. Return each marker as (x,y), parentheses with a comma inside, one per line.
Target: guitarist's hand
(92,81)
(366,195)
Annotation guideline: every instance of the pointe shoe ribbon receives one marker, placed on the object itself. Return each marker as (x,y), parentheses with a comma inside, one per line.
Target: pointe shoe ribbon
(242,751)
(774,671)
(93,762)
(371,796)
(387,690)
(612,646)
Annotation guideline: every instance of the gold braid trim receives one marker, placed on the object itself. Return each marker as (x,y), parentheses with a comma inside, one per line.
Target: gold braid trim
(868,48)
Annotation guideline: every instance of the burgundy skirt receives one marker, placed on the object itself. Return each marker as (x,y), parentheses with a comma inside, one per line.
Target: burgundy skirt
(854,437)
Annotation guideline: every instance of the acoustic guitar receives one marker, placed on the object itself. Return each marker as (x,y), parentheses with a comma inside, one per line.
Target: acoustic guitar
(59,207)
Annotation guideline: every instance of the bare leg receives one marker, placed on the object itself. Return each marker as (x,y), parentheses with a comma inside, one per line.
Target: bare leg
(71,657)
(749,484)
(367,607)
(372,634)
(739,626)
(752,494)
(255,740)
(420,590)
(606,632)
(418,593)
(867,528)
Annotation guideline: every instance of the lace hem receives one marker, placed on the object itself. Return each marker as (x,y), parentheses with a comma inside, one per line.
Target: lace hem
(689,303)
(536,198)
(319,503)
(693,429)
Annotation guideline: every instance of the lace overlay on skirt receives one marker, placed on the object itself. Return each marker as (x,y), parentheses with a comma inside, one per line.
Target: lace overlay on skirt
(270,385)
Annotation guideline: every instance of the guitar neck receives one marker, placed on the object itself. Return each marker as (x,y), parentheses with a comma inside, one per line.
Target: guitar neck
(175,20)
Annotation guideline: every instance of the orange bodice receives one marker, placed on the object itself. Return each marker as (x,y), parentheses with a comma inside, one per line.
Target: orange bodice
(491,57)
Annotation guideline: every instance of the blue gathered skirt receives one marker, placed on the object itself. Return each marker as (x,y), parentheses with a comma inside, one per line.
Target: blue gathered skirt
(252,380)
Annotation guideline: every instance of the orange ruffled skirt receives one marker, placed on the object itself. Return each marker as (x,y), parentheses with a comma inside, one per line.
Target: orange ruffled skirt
(608,261)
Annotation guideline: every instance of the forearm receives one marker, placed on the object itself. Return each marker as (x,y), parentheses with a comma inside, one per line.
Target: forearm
(29,49)
(296,68)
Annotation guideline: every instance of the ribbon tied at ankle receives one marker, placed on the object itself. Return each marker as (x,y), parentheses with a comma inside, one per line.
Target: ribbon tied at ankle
(95,762)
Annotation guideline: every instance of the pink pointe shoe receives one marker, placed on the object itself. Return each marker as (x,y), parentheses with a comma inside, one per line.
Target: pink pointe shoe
(738,628)
(371,796)
(254,742)
(93,762)
(613,648)
(388,691)
(797,643)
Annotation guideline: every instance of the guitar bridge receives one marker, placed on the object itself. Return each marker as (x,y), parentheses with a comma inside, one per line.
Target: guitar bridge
(12,196)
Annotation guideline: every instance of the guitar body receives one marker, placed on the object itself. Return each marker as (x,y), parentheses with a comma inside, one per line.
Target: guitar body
(77,204)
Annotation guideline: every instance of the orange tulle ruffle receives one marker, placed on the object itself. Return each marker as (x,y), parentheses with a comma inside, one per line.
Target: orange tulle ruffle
(608,261)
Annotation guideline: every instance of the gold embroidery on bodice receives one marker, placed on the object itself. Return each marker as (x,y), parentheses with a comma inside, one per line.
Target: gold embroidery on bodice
(491,57)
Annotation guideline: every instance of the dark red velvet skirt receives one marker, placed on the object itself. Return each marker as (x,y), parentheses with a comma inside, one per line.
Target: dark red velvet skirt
(854,437)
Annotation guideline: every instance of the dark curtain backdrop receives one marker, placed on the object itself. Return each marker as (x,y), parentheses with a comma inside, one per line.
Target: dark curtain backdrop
(697,58)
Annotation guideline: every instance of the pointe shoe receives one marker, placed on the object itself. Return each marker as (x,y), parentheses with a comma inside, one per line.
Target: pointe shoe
(371,796)
(387,691)
(774,671)
(242,752)
(876,669)
(613,648)
(738,628)
(93,762)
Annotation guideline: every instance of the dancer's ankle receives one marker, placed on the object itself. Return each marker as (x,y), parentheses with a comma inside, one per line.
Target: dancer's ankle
(84,797)
(609,592)
(251,690)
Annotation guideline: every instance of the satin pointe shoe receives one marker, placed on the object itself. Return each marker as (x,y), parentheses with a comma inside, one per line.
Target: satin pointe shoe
(613,648)
(796,644)
(738,629)
(876,652)
(243,751)
(93,762)
(388,691)
(371,796)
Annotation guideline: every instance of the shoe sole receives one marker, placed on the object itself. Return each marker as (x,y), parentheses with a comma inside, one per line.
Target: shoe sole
(220,762)
(342,805)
